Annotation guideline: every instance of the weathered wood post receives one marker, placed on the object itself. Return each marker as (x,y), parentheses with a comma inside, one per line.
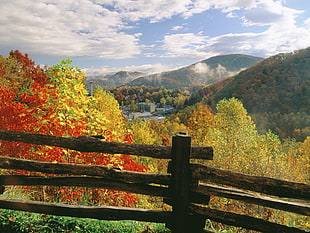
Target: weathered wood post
(180,182)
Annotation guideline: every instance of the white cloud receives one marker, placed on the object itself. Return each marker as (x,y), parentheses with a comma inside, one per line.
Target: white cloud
(200,6)
(272,41)
(145,68)
(231,15)
(219,71)
(154,10)
(201,68)
(177,28)
(61,27)
(158,10)
(281,35)
(95,29)
(185,45)
(307,23)
(267,12)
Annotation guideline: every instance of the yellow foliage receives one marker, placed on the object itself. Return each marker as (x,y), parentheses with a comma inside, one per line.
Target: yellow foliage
(100,112)
(104,108)
(199,123)
(233,137)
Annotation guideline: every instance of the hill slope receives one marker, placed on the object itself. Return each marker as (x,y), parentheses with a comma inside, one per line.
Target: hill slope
(117,79)
(201,73)
(276,92)
(280,83)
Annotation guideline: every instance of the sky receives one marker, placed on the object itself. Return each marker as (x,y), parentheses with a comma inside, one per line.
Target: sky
(106,36)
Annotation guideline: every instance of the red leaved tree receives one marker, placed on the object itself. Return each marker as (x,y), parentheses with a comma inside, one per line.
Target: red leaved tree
(53,101)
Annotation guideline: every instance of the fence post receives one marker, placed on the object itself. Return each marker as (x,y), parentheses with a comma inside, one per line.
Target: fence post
(180,183)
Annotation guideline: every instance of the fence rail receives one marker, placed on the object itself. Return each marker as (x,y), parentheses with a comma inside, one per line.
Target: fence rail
(260,184)
(92,144)
(254,198)
(97,212)
(187,188)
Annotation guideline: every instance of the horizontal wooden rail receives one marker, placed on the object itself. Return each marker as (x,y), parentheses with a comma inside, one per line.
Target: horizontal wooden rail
(187,209)
(254,198)
(89,182)
(98,182)
(259,184)
(244,221)
(96,212)
(109,173)
(91,144)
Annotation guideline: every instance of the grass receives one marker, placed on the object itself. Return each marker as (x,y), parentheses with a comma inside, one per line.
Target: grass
(12,221)
(209,226)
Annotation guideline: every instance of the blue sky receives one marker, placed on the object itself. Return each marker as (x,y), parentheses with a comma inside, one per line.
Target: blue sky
(105,36)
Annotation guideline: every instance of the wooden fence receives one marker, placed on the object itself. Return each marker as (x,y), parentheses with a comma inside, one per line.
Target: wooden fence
(186,188)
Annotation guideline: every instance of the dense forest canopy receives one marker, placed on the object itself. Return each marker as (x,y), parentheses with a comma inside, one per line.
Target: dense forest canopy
(277,84)
(275,91)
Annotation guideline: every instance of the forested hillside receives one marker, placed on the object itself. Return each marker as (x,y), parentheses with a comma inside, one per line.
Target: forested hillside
(276,91)
(204,72)
(113,80)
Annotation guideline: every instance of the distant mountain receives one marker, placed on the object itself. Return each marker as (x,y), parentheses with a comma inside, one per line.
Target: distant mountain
(276,92)
(117,79)
(280,83)
(201,73)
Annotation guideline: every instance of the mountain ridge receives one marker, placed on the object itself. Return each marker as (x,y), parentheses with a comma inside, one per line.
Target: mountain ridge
(268,85)
(117,79)
(200,73)
(275,92)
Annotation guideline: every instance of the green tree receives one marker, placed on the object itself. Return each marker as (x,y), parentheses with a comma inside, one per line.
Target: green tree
(179,101)
(163,101)
(233,137)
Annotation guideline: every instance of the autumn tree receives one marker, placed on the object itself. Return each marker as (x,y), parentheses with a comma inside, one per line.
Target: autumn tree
(54,101)
(199,123)
(304,150)
(233,136)
(25,95)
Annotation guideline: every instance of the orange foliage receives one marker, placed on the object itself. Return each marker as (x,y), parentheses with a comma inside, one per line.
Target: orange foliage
(30,101)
